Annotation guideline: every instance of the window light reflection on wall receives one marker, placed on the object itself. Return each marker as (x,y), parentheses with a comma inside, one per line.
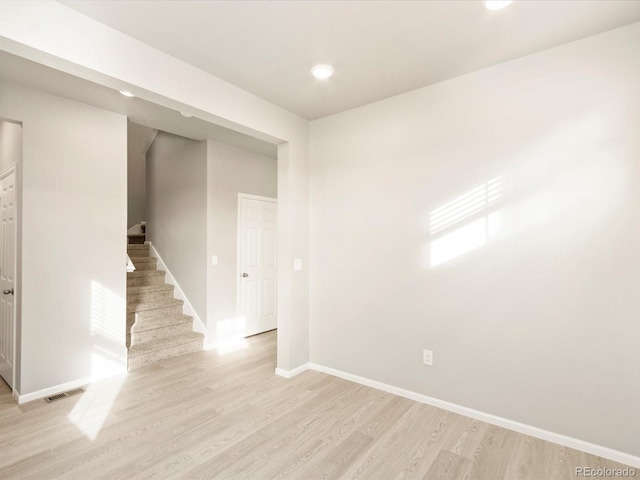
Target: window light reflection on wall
(465,223)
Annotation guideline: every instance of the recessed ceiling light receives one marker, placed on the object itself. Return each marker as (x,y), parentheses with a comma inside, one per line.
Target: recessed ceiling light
(322,71)
(496,4)
(127,93)
(186,115)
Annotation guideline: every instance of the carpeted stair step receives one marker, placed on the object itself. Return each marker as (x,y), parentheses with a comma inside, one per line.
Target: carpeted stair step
(138,250)
(136,238)
(144,263)
(150,324)
(147,293)
(163,327)
(156,327)
(145,277)
(146,353)
(157,308)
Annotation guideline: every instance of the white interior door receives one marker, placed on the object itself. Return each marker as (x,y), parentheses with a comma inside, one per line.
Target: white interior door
(7,274)
(257,252)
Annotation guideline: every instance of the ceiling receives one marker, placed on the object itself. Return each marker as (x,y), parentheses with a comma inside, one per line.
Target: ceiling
(18,70)
(378,48)
(139,138)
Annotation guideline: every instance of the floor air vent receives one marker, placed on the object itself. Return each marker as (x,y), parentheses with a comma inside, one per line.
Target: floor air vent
(60,396)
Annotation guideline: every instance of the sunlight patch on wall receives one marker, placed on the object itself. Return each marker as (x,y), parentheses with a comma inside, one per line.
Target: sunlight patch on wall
(465,223)
(464,206)
(106,313)
(108,324)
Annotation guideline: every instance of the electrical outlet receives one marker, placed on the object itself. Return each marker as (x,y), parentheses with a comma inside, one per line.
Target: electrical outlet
(427,357)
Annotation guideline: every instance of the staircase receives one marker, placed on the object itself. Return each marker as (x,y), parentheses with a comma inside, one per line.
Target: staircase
(156,327)
(137,234)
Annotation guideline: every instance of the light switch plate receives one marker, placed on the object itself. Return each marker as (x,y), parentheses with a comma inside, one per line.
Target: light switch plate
(427,357)
(214,260)
(297,264)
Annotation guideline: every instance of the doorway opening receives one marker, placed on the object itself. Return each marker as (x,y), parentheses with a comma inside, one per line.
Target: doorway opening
(190,207)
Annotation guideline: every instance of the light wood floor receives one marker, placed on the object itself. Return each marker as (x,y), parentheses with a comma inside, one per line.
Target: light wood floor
(216,416)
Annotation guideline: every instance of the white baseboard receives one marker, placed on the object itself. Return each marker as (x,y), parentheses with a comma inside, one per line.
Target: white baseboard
(64,387)
(532,431)
(198,324)
(292,373)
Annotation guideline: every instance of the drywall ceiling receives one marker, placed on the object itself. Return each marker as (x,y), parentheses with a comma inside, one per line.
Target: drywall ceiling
(139,138)
(18,70)
(378,48)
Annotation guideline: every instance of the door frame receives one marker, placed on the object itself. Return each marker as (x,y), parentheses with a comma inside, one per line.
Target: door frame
(12,169)
(247,196)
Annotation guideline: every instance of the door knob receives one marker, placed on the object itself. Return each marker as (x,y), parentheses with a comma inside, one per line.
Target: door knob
(245,275)
(8,292)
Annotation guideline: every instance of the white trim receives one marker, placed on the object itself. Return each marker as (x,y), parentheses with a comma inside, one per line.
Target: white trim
(137,228)
(8,120)
(599,450)
(256,197)
(198,325)
(147,145)
(13,169)
(64,387)
(8,171)
(130,266)
(292,373)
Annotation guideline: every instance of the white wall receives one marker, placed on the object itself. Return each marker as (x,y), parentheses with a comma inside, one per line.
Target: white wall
(538,321)
(177,211)
(229,171)
(10,144)
(110,58)
(74,187)
(136,184)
